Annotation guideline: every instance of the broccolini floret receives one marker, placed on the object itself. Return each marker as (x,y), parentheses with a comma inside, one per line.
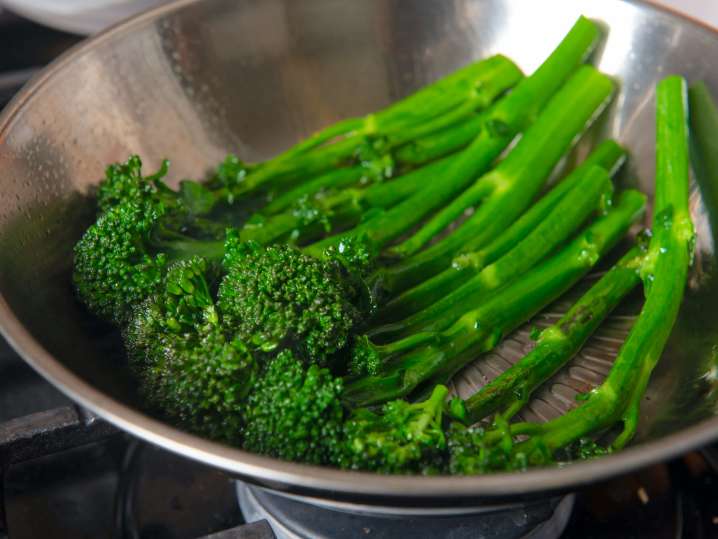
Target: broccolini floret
(294,412)
(183,306)
(364,357)
(114,269)
(470,453)
(124,182)
(186,364)
(402,438)
(201,381)
(277,297)
(122,257)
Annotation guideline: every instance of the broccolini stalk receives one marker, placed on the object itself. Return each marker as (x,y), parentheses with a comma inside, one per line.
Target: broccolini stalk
(557,344)
(443,101)
(434,357)
(414,154)
(438,144)
(334,179)
(607,156)
(664,274)
(329,211)
(504,120)
(585,198)
(513,183)
(504,175)
(487,80)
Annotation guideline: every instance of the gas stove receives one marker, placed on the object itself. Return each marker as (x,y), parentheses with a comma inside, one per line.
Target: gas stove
(65,473)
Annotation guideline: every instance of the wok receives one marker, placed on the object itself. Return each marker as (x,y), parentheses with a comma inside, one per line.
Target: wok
(196,79)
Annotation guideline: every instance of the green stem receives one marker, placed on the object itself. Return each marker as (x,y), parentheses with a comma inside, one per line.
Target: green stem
(424,150)
(335,211)
(516,180)
(462,112)
(440,143)
(557,133)
(479,330)
(557,344)
(505,119)
(459,85)
(335,179)
(547,281)
(664,275)
(585,198)
(342,127)
(429,148)
(388,194)
(212,250)
(436,100)
(608,156)
(489,79)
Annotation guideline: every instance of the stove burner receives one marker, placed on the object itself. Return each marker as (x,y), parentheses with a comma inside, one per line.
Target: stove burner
(298,518)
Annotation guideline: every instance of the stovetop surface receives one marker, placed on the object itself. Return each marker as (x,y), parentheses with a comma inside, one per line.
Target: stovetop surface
(120,487)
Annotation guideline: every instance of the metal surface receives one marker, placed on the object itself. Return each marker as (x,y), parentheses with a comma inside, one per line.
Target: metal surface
(293,518)
(194,80)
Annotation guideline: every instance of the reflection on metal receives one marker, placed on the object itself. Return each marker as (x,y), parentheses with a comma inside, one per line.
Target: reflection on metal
(296,518)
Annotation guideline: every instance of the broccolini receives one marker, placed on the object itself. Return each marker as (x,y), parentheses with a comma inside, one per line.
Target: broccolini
(315,307)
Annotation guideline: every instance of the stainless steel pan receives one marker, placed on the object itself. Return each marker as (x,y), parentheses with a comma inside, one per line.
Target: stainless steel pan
(196,79)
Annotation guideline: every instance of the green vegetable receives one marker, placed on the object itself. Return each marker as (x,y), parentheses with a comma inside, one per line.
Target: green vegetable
(502,122)
(401,438)
(310,217)
(294,412)
(664,275)
(557,344)
(507,190)
(471,89)
(143,227)
(608,155)
(434,357)
(201,382)
(123,256)
(472,281)
(184,362)
(704,133)
(291,333)
(273,297)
